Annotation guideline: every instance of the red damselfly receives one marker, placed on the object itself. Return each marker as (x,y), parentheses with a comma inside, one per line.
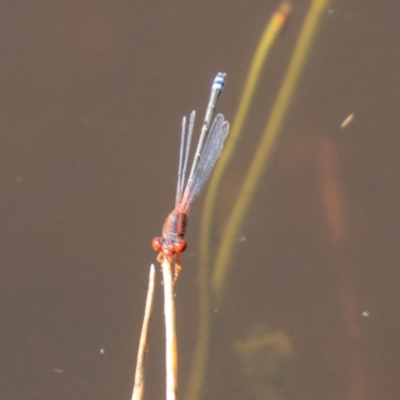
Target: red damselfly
(209,148)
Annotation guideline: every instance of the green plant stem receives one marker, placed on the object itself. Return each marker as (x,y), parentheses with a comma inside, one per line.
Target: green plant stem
(268,141)
(267,40)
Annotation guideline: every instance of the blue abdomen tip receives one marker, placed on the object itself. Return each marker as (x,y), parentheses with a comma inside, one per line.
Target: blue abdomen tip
(219,81)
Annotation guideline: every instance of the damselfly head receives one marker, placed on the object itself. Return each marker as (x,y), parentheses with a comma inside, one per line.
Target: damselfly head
(168,248)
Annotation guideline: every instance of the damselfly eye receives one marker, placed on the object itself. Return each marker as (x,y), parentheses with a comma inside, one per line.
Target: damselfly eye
(156,243)
(180,246)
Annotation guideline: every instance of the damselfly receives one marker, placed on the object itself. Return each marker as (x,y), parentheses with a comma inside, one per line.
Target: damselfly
(209,148)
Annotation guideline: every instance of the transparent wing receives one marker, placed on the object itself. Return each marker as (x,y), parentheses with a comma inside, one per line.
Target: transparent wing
(209,155)
(180,167)
(184,155)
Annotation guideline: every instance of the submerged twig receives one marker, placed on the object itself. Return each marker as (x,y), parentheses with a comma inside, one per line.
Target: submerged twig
(267,144)
(170,332)
(262,52)
(138,387)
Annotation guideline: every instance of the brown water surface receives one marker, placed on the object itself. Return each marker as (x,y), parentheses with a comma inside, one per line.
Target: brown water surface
(91,100)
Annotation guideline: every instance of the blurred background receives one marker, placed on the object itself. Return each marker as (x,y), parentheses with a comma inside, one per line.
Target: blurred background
(91,99)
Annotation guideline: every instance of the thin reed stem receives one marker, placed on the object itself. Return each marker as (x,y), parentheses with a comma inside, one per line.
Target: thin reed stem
(170,332)
(138,387)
